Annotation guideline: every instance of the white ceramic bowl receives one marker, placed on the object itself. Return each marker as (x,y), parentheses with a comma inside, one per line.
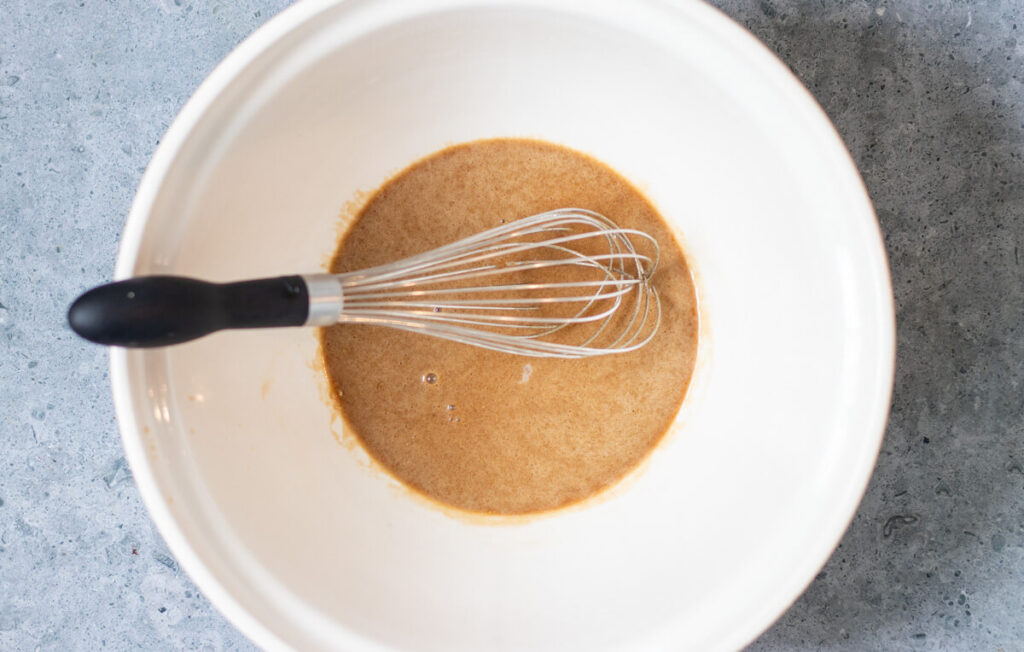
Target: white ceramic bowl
(301,542)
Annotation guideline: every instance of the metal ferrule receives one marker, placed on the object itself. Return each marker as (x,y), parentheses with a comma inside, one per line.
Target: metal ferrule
(325,299)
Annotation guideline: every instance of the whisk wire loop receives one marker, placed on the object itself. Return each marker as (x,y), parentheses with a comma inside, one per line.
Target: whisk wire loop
(512,288)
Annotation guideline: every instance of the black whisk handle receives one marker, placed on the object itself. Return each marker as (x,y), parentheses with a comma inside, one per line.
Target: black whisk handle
(151,311)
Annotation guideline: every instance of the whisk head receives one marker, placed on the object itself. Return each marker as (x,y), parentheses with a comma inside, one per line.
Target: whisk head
(568,283)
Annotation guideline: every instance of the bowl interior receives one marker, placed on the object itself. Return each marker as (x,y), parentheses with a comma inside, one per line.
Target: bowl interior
(300,540)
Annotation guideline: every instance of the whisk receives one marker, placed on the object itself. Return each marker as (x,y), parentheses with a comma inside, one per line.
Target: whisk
(568,283)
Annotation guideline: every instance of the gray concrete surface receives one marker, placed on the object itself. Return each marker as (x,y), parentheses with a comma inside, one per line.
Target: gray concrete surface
(927,94)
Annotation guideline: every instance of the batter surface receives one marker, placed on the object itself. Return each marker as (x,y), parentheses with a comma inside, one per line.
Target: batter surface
(491,432)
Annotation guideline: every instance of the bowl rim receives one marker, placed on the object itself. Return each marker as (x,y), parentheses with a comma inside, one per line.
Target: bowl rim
(299,14)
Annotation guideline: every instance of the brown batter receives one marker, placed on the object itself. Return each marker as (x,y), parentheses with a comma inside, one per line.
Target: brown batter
(494,432)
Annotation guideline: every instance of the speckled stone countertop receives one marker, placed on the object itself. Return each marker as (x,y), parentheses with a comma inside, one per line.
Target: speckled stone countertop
(928,95)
